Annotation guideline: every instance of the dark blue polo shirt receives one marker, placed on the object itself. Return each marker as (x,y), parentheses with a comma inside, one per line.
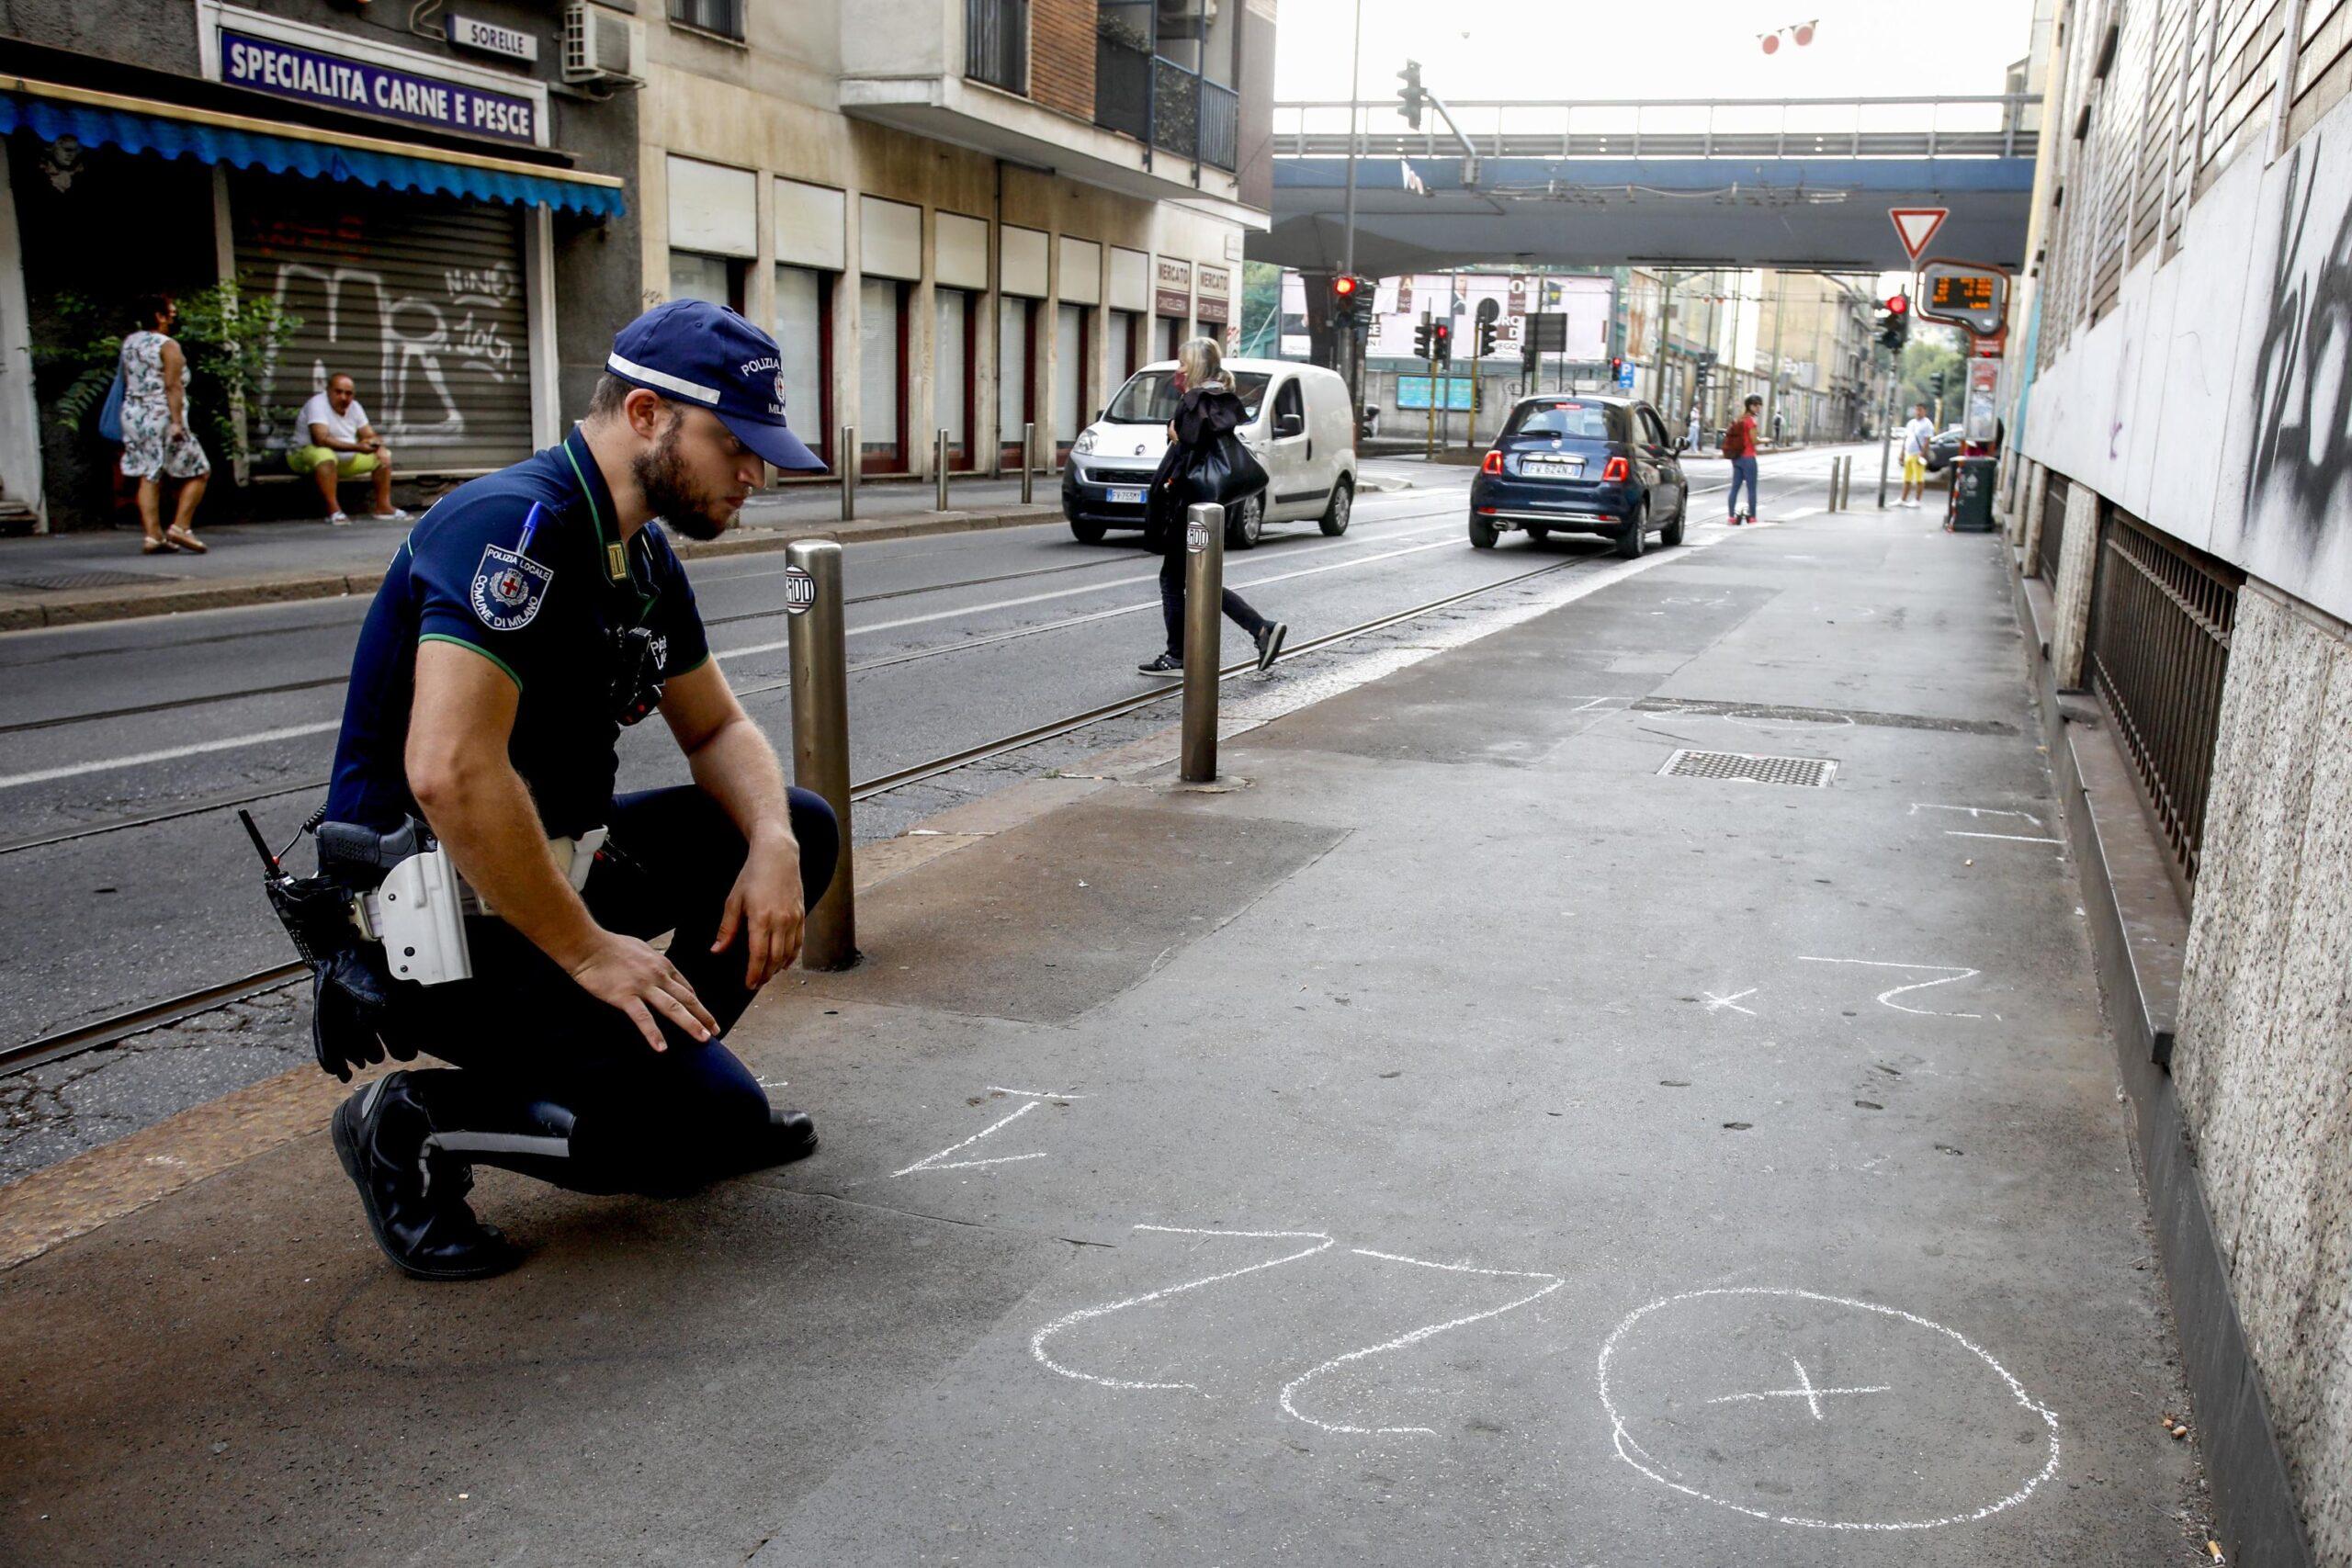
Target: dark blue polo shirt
(540,594)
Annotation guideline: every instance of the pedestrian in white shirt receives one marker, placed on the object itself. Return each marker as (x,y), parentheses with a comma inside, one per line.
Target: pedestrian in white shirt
(1918,436)
(342,444)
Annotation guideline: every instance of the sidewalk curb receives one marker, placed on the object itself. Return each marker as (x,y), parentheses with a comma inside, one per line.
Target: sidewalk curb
(120,604)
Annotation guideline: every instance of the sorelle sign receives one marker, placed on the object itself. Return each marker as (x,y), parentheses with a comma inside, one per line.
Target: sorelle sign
(290,71)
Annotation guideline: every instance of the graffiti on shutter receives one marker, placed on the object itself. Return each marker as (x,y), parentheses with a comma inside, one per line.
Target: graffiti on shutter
(419,299)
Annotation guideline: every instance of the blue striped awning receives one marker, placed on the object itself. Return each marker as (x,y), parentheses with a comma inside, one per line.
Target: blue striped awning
(210,141)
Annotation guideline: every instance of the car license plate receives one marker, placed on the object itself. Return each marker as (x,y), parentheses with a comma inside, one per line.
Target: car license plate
(1125,496)
(1553,467)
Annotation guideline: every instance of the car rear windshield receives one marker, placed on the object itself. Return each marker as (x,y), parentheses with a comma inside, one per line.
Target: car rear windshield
(1150,396)
(1568,420)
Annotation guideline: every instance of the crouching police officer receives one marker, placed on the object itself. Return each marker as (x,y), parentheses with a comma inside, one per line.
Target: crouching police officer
(531,615)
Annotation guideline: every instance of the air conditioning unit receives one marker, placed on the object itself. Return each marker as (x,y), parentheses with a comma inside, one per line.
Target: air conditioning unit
(602,46)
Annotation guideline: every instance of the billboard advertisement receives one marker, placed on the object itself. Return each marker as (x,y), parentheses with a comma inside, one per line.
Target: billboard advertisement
(1397,302)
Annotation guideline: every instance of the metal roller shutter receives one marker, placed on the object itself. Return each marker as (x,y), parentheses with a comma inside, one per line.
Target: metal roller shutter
(418,298)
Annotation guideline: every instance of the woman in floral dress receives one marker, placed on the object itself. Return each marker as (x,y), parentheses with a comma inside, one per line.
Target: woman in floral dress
(156,443)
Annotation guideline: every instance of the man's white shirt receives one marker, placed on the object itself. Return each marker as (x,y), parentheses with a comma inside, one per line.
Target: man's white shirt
(1918,436)
(344,426)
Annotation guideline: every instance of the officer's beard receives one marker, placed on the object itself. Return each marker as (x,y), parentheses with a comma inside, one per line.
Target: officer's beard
(670,494)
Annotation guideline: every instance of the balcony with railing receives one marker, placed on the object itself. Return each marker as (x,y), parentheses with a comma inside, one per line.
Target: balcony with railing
(995,75)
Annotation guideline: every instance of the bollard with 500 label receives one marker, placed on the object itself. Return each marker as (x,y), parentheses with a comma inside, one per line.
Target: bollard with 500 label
(812,602)
(1203,610)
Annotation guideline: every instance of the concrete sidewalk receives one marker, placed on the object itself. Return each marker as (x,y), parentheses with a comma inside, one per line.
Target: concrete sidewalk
(1452,1139)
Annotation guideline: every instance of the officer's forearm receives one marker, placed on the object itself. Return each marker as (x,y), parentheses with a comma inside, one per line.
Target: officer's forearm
(482,814)
(738,768)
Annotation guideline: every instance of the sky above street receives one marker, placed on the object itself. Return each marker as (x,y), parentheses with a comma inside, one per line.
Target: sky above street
(1679,48)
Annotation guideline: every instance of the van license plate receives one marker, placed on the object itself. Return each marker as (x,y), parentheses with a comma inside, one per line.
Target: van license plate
(1120,497)
(1553,467)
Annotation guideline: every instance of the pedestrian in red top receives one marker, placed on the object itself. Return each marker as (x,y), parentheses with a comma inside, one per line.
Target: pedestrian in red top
(1739,445)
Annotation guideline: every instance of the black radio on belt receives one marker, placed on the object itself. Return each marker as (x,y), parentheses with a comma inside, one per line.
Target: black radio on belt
(636,673)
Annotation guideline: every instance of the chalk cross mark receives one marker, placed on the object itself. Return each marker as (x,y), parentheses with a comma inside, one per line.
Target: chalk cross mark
(1030,1099)
(1804,1390)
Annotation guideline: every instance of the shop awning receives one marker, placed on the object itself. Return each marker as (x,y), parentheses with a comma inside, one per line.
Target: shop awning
(50,110)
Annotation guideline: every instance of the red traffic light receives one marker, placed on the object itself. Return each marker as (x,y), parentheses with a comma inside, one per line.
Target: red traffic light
(1345,287)
(1898,304)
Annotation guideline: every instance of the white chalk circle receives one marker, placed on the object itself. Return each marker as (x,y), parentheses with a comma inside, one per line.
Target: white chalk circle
(1821,1412)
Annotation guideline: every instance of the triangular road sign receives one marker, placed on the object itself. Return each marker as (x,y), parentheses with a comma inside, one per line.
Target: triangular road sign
(1915,226)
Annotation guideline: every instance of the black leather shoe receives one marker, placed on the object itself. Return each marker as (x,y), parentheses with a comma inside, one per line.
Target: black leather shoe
(415,1195)
(792,1136)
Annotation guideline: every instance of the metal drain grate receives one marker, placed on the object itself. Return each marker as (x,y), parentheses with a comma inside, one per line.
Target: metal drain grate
(100,579)
(1813,773)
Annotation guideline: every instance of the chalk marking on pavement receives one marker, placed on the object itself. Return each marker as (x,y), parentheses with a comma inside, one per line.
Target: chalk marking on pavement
(1033,1093)
(1086,1314)
(1804,1390)
(169,754)
(1626,1448)
(1290,1389)
(2006,837)
(933,1162)
(1919,805)
(1715,1003)
(1951,973)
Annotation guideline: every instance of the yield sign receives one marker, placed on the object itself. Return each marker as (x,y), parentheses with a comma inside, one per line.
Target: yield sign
(1915,226)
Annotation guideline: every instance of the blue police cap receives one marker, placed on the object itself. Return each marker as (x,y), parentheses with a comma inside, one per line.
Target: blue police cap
(707,355)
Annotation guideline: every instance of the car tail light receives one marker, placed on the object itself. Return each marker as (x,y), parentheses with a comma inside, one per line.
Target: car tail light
(1493,465)
(1616,472)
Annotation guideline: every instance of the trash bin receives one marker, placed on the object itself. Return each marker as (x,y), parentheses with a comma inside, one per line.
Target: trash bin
(1973,481)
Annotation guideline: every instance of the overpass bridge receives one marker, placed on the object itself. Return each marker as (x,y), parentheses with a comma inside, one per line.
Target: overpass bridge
(1793,183)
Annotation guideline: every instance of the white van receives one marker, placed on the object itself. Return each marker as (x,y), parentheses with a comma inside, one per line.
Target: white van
(1297,428)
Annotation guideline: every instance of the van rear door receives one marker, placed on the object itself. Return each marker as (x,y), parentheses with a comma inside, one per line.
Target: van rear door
(1290,450)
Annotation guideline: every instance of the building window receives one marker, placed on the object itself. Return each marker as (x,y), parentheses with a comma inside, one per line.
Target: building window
(955,329)
(804,330)
(724,18)
(1071,341)
(882,375)
(1126,330)
(714,281)
(996,43)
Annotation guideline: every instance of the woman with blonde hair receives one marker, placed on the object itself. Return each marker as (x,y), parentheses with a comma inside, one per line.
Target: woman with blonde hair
(1206,462)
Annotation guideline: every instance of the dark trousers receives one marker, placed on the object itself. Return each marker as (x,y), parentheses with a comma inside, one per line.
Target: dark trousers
(1171,598)
(540,1055)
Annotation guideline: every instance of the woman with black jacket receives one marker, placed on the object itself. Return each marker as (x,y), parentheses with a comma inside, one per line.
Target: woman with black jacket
(1206,462)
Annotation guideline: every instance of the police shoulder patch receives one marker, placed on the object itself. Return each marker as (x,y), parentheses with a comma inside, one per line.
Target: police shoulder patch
(508,589)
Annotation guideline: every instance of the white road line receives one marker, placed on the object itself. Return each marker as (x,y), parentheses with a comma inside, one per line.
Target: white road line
(1071,1320)
(2008,838)
(1452,536)
(169,754)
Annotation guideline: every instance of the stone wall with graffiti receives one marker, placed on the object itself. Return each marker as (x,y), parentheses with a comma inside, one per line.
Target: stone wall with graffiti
(2215,399)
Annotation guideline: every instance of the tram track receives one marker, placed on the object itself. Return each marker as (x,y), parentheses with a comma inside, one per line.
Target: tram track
(114,1029)
(284,688)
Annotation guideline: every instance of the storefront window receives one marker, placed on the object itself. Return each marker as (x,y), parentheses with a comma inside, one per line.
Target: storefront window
(1120,362)
(882,375)
(951,373)
(1015,347)
(804,330)
(714,281)
(1070,374)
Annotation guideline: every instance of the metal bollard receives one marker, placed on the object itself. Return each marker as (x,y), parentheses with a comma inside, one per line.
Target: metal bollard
(1028,461)
(850,464)
(820,733)
(1836,471)
(1203,610)
(939,471)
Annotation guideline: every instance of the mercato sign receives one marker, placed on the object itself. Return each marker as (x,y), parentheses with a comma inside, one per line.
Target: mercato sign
(296,72)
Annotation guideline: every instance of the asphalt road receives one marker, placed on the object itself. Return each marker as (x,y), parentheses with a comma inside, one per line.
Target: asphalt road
(953,640)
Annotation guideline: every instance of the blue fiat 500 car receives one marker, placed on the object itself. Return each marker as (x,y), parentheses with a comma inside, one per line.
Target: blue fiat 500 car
(1566,463)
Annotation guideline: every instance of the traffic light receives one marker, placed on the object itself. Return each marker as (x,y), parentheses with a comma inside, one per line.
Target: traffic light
(1617,368)
(1485,339)
(1412,93)
(1894,322)
(1936,385)
(1348,298)
(1422,337)
(1441,343)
